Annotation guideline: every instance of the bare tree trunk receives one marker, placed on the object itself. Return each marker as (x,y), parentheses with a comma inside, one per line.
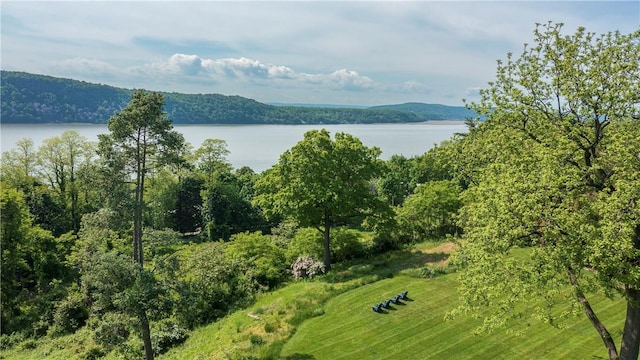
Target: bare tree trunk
(137,244)
(146,336)
(630,347)
(593,318)
(327,248)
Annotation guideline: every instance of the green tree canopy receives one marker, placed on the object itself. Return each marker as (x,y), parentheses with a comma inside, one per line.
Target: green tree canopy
(321,183)
(555,170)
(141,138)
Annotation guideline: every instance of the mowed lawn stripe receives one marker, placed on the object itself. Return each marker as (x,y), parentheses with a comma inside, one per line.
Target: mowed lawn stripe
(350,329)
(354,328)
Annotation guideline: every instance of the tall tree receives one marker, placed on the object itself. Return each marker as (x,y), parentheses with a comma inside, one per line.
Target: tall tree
(60,161)
(141,135)
(322,183)
(19,165)
(558,173)
(211,158)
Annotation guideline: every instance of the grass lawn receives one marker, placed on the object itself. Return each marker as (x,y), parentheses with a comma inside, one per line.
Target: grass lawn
(349,329)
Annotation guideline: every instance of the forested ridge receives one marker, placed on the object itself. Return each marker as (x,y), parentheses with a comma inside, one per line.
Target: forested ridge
(31,98)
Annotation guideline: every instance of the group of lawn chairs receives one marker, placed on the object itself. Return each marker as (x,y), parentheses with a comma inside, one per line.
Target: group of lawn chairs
(387,303)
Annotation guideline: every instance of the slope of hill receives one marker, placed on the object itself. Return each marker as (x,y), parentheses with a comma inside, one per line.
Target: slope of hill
(331,318)
(31,98)
(431,111)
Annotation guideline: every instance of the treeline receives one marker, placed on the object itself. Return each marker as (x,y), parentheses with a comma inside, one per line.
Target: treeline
(96,238)
(30,98)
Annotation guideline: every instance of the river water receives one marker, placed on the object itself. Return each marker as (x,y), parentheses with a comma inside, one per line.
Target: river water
(260,146)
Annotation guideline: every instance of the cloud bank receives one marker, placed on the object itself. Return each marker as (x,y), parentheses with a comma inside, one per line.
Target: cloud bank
(360,53)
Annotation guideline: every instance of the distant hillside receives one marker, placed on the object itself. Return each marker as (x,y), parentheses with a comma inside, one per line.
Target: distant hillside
(431,111)
(30,98)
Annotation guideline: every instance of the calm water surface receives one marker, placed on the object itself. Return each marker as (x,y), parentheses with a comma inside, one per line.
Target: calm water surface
(260,146)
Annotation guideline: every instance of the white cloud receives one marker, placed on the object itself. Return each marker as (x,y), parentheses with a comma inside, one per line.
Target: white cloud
(185,64)
(244,69)
(365,53)
(348,80)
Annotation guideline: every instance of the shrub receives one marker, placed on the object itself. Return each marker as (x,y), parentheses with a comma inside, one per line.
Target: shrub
(210,284)
(256,340)
(112,330)
(269,328)
(8,341)
(307,267)
(167,335)
(345,245)
(265,260)
(70,315)
(307,241)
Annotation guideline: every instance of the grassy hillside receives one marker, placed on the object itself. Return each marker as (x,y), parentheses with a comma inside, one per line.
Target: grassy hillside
(349,329)
(331,318)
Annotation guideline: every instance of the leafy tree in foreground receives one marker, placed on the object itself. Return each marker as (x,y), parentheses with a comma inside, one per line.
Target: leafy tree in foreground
(141,138)
(558,173)
(322,183)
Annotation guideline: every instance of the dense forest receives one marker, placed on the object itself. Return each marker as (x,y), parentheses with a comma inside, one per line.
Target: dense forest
(139,239)
(30,98)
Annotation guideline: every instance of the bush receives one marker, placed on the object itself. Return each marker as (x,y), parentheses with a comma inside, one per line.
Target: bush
(210,284)
(8,341)
(346,245)
(112,330)
(307,267)
(266,262)
(256,340)
(166,335)
(307,241)
(70,315)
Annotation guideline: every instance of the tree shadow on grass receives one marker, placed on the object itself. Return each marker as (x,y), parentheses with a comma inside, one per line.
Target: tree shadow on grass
(298,356)
(384,266)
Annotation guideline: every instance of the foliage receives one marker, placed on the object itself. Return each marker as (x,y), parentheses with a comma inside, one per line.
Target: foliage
(554,169)
(321,182)
(167,334)
(264,260)
(29,98)
(429,211)
(141,140)
(226,210)
(210,284)
(395,184)
(188,211)
(32,270)
(70,314)
(305,241)
(341,303)
(54,179)
(348,244)
(112,331)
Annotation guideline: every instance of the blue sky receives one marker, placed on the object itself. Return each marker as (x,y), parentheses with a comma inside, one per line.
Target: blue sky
(330,52)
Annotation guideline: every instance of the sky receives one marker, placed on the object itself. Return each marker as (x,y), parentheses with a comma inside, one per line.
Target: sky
(300,52)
